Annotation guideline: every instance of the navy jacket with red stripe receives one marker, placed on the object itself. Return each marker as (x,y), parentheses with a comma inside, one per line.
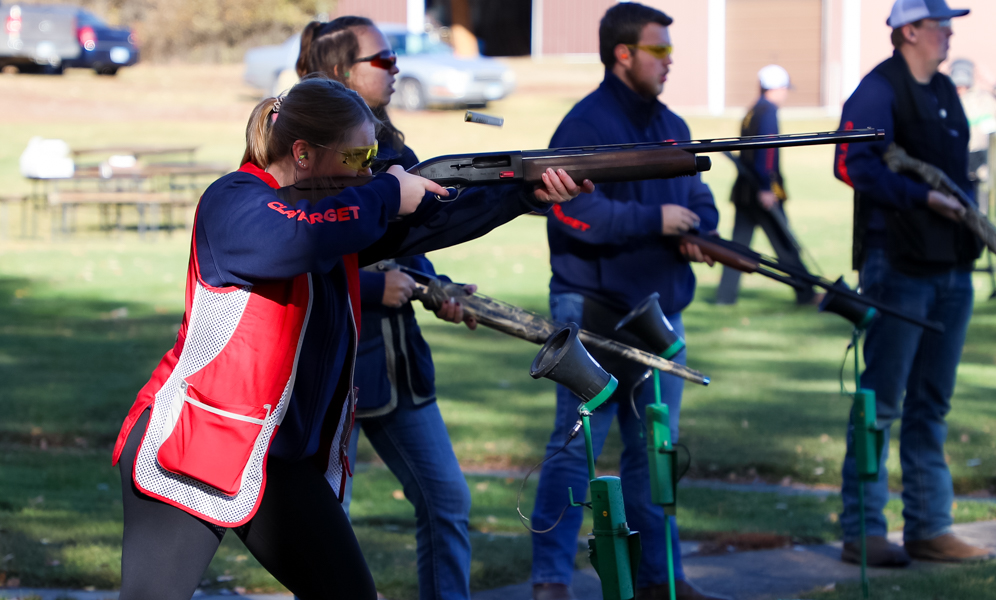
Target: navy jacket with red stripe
(608,245)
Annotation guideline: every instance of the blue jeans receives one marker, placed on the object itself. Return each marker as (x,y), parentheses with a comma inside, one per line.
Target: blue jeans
(901,358)
(553,552)
(415,445)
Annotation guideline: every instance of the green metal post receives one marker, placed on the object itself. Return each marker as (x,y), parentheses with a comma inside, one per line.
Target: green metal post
(868,442)
(614,549)
(660,455)
(586,423)
(657,386)
(663,475)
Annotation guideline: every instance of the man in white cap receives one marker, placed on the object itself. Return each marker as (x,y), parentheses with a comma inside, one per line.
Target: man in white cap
(759,190)
(915,254)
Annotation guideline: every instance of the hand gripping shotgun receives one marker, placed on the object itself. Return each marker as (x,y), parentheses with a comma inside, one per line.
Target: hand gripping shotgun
(512,320)
(610,163)
(899,161)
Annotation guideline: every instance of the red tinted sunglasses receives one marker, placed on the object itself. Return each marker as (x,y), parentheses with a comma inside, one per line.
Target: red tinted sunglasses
(382,60)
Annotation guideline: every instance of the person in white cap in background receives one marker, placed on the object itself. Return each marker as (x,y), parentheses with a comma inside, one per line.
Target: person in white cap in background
(980,108)
(913,252)
(759,190)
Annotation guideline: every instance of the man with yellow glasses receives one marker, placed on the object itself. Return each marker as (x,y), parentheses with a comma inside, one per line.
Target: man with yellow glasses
(608,251)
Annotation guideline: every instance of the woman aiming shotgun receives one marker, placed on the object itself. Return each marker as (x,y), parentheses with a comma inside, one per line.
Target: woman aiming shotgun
(245,422)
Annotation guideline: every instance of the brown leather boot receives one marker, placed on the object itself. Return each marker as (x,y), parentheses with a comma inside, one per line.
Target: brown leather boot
(552,591)
(946,548)
(881,553)
(682,591)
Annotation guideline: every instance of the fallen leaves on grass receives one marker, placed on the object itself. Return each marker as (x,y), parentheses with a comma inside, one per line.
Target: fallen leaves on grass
(744,541)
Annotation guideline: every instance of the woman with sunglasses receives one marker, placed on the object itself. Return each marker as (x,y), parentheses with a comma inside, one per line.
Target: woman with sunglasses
(245,422)
(395,374)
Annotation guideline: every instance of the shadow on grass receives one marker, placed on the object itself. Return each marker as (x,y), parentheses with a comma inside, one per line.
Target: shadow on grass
(774,408)
(71,367)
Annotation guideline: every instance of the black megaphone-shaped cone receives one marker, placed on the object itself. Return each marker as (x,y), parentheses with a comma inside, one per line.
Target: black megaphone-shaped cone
(564,359)
(853,310)
(647,322)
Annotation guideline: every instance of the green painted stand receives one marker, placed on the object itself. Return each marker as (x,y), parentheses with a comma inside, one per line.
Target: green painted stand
(614,549)
(663,474)
(661,460)
(868,441)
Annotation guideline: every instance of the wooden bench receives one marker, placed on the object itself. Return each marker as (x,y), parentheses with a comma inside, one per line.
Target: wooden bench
(68,202)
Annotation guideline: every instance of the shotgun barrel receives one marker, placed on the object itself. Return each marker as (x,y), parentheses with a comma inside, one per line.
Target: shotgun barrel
(742,258)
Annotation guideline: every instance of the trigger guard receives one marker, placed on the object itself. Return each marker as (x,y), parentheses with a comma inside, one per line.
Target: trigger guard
(454,194)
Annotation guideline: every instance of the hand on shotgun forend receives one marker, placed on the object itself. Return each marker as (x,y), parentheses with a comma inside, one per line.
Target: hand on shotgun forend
(452,311)
(413,189)
(693,253)
(560,187)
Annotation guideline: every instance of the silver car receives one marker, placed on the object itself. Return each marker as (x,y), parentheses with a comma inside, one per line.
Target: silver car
(430,74)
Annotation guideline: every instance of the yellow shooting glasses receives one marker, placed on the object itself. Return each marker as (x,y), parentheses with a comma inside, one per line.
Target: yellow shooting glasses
(658,51)
(359,157)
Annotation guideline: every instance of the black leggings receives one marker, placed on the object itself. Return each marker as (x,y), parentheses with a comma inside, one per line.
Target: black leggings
(299,534)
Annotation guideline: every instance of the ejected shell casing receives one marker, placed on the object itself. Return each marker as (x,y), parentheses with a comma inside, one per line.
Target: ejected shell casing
(476,117)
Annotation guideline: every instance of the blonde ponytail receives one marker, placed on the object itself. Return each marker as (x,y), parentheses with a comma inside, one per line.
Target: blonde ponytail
(258,133)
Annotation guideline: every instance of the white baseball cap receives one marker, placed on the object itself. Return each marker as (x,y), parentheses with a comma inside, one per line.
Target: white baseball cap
(905,12)
(773,77)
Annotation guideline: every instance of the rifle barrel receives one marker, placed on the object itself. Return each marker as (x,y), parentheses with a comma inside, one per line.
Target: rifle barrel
(754,142)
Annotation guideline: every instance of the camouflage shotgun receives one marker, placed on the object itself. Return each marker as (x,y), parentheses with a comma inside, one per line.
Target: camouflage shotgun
(899,161)
(529,326)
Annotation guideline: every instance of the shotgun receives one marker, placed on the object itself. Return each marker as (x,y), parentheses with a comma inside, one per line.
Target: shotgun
(507,318)
(600,164)
(899,161)
(610,163)
(742,258)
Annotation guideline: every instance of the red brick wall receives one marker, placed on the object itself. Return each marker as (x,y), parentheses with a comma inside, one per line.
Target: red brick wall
(571,26)
(381,11)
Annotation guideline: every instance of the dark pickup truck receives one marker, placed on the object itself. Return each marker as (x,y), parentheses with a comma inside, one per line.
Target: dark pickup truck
(39,38)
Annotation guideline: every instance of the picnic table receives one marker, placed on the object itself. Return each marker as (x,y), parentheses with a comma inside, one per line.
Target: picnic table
(174,176)
(153,189)
(147,204)
(136,150)
(5,201)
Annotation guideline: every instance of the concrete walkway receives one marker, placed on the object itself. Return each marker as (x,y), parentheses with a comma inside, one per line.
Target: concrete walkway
(760,575)
(763,574)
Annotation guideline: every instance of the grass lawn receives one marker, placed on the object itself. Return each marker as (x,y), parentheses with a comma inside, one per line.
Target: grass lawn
(83,322)
(944,582)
